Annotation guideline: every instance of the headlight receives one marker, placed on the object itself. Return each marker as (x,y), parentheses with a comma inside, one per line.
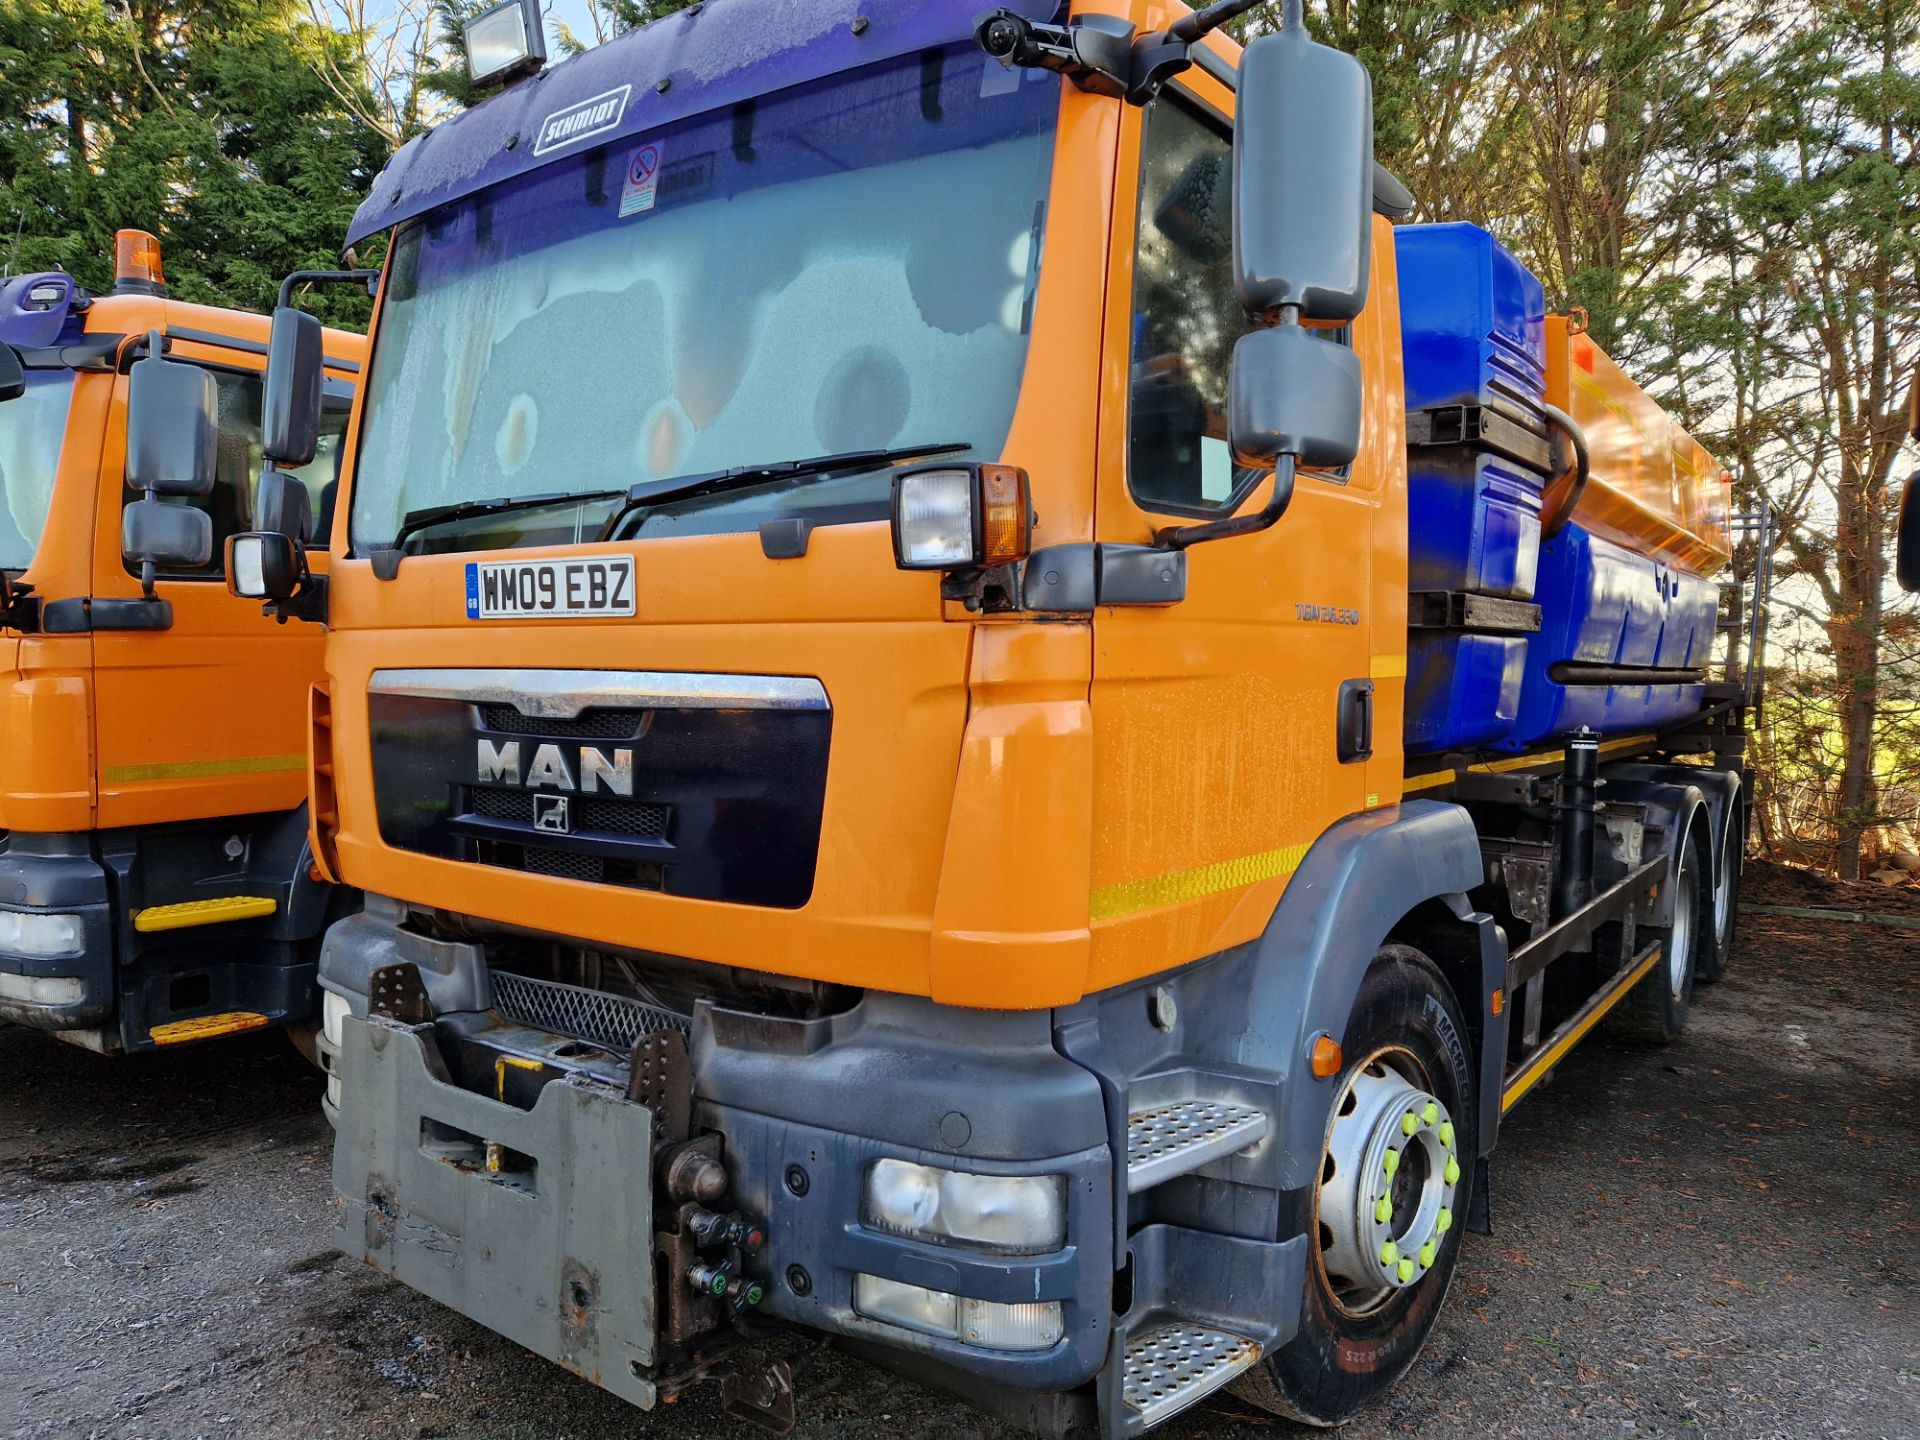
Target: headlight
(1034,1325)
(1006,1214)
(43,936)
(960,517)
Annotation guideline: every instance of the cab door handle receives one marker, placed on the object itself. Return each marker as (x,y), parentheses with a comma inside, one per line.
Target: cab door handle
(1353,721)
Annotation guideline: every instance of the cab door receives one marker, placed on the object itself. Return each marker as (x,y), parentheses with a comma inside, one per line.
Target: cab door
(1234,727)
(207,717)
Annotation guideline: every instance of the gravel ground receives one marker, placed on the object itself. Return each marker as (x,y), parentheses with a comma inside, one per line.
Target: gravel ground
(1716,1239)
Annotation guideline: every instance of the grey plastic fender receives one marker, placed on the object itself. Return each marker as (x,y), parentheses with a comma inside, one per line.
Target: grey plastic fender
(1247,1017)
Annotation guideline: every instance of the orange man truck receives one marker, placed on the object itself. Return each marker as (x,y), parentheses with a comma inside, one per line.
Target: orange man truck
(154,881)
(980,712)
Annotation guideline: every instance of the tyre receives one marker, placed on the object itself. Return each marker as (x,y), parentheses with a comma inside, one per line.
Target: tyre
(1385,1220)
(1723,908)
(1655,1011)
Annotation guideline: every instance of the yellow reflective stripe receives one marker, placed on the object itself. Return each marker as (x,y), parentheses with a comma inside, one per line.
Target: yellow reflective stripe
(203,769)
(1519,762)
(1530,1074)
(205,1027)
(189,913)
(1387,667)
(1109,902)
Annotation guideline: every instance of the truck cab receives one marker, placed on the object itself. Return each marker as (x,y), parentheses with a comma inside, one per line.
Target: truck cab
(867,683)
(155,885)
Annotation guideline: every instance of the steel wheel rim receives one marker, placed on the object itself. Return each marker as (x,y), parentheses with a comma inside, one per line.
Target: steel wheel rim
(1382,1223)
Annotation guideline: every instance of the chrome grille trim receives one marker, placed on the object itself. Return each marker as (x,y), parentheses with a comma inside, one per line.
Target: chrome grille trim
(563,694)
(614,1021)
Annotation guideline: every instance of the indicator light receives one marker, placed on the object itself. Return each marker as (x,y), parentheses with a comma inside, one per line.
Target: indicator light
(1326,1058)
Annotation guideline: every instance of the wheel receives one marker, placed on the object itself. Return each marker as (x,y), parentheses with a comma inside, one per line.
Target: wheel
(1723,910)
(1385,1217)
(1655,1010)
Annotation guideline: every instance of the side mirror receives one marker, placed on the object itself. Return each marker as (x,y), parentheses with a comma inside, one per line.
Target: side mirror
(1302,244)
(177,537)
(1293,394)
(290,408)
(172,426)
(1302,179)
(263,565)
(13,375)
(281,505)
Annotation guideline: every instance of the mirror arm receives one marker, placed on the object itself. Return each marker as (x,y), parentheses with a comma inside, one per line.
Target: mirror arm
(1182,537)
(308,600)
(368,279)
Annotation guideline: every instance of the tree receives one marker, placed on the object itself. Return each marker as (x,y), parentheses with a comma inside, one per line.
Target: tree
(205,121)
(1830,216)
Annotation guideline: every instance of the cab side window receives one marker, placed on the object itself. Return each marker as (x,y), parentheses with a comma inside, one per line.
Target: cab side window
(237,468)
(1186,318)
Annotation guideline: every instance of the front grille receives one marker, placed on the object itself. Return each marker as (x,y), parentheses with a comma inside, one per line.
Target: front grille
(571,865)
(611,1020)
(596,724)
(608,814)
(566,864)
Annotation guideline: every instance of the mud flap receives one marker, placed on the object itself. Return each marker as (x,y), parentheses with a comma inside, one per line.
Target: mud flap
(554,1249)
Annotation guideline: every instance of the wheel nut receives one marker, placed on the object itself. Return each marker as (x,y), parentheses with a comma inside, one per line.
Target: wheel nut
(1383,1212)
(1453,1171)
(1427,1252)
(1443,1222)
(1392,1162)
(1389,1253)
(1446,1134)
(1405,1271)
(1431,1113)
(1409,1123)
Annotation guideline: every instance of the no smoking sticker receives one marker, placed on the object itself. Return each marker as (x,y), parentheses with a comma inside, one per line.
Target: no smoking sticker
(642,182)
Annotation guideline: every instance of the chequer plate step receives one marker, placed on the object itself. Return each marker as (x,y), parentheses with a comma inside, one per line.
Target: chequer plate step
(1170,1368)
(205,1027)
(1170,1140)
(203,912)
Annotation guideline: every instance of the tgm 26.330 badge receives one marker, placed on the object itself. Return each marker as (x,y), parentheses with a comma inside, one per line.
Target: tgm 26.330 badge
(589,586)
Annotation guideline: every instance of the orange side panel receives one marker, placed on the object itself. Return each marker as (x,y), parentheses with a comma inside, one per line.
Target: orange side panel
(46,736)
(1654,488)
(1010,925)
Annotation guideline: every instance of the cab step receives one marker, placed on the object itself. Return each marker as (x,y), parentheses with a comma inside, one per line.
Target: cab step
(1182,1135)
(206,1027)
(1172,1367)
(188,913)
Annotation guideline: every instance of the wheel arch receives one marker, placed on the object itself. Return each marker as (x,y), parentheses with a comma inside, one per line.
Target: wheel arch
(1256,1009)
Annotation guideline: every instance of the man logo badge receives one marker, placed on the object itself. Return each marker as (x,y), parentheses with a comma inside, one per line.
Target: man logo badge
(553,814)
(582,121)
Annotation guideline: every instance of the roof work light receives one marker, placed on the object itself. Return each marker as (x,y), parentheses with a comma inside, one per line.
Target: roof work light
(504,42)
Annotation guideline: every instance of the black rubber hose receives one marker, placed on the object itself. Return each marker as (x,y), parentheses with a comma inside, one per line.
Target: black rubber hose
(1551,526)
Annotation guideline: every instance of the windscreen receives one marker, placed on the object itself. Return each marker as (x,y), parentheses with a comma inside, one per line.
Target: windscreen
(848,265)
(32,427)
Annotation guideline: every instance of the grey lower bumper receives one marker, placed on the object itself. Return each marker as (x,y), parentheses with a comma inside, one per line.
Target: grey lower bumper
(417,1202)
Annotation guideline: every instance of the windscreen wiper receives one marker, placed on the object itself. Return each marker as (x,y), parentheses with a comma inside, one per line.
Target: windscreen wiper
(416,520)
(649,493)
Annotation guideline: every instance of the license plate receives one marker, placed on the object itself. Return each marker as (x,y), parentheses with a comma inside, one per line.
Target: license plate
(550,589)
